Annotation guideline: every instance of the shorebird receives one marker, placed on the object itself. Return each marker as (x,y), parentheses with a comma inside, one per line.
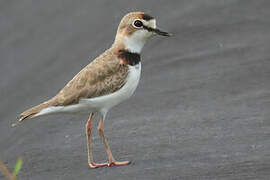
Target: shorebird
(108,80)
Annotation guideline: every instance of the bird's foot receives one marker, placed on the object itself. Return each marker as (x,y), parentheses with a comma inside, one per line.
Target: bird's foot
(113,163)
(118,163)
(96,165)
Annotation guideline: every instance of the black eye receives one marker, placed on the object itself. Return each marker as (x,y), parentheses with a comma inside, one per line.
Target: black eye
(138,23)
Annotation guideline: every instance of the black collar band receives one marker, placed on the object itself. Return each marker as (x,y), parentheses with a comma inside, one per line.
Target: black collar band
(129,57)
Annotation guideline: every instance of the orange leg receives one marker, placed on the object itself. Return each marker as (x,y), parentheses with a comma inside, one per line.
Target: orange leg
(88,128)
(112,161)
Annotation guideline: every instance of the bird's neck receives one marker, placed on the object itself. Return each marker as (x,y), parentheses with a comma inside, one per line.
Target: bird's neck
(132,43)
(128,57)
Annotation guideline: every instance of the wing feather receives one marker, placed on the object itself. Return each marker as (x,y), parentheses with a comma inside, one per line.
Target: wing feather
(105,75)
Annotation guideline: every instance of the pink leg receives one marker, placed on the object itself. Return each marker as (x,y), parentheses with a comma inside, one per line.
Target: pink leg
(88,128)
(112,161)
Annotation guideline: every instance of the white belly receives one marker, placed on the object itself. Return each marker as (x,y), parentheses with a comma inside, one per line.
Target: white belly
(102,103)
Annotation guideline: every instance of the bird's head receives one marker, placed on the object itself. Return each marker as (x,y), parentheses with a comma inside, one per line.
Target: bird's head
(135,29)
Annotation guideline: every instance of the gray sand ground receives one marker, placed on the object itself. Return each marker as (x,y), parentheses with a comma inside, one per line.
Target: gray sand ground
(201,110)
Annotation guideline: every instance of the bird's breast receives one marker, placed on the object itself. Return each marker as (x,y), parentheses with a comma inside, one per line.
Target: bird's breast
(108,101)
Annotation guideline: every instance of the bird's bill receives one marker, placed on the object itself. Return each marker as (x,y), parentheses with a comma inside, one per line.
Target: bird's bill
(157,31)
(162,33)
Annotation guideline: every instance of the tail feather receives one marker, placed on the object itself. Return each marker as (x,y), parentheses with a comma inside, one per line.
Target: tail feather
(32,112)
(21,119)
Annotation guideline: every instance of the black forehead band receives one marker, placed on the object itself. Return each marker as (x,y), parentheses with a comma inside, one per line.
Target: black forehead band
(146,17)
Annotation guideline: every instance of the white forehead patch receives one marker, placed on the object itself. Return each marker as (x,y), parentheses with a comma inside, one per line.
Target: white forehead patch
(151,23)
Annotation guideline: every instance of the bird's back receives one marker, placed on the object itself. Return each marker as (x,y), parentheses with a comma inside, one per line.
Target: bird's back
(103,76)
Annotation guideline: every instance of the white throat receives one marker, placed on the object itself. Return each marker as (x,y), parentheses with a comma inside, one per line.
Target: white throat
(135,42)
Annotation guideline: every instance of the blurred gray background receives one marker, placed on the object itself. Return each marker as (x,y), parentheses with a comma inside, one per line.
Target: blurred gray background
(201,110)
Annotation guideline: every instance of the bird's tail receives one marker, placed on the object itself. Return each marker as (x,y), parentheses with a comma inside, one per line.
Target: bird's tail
(32,112)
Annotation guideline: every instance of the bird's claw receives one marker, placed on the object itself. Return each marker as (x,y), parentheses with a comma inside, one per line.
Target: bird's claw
(113,163)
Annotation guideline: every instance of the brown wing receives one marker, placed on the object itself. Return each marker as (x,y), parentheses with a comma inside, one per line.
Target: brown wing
(105,75)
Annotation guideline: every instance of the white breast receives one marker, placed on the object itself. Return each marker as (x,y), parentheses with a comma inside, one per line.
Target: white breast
(102,103)
(108,101)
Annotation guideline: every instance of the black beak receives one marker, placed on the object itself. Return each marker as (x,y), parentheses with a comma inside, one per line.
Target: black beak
(162,33)
(157,31)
